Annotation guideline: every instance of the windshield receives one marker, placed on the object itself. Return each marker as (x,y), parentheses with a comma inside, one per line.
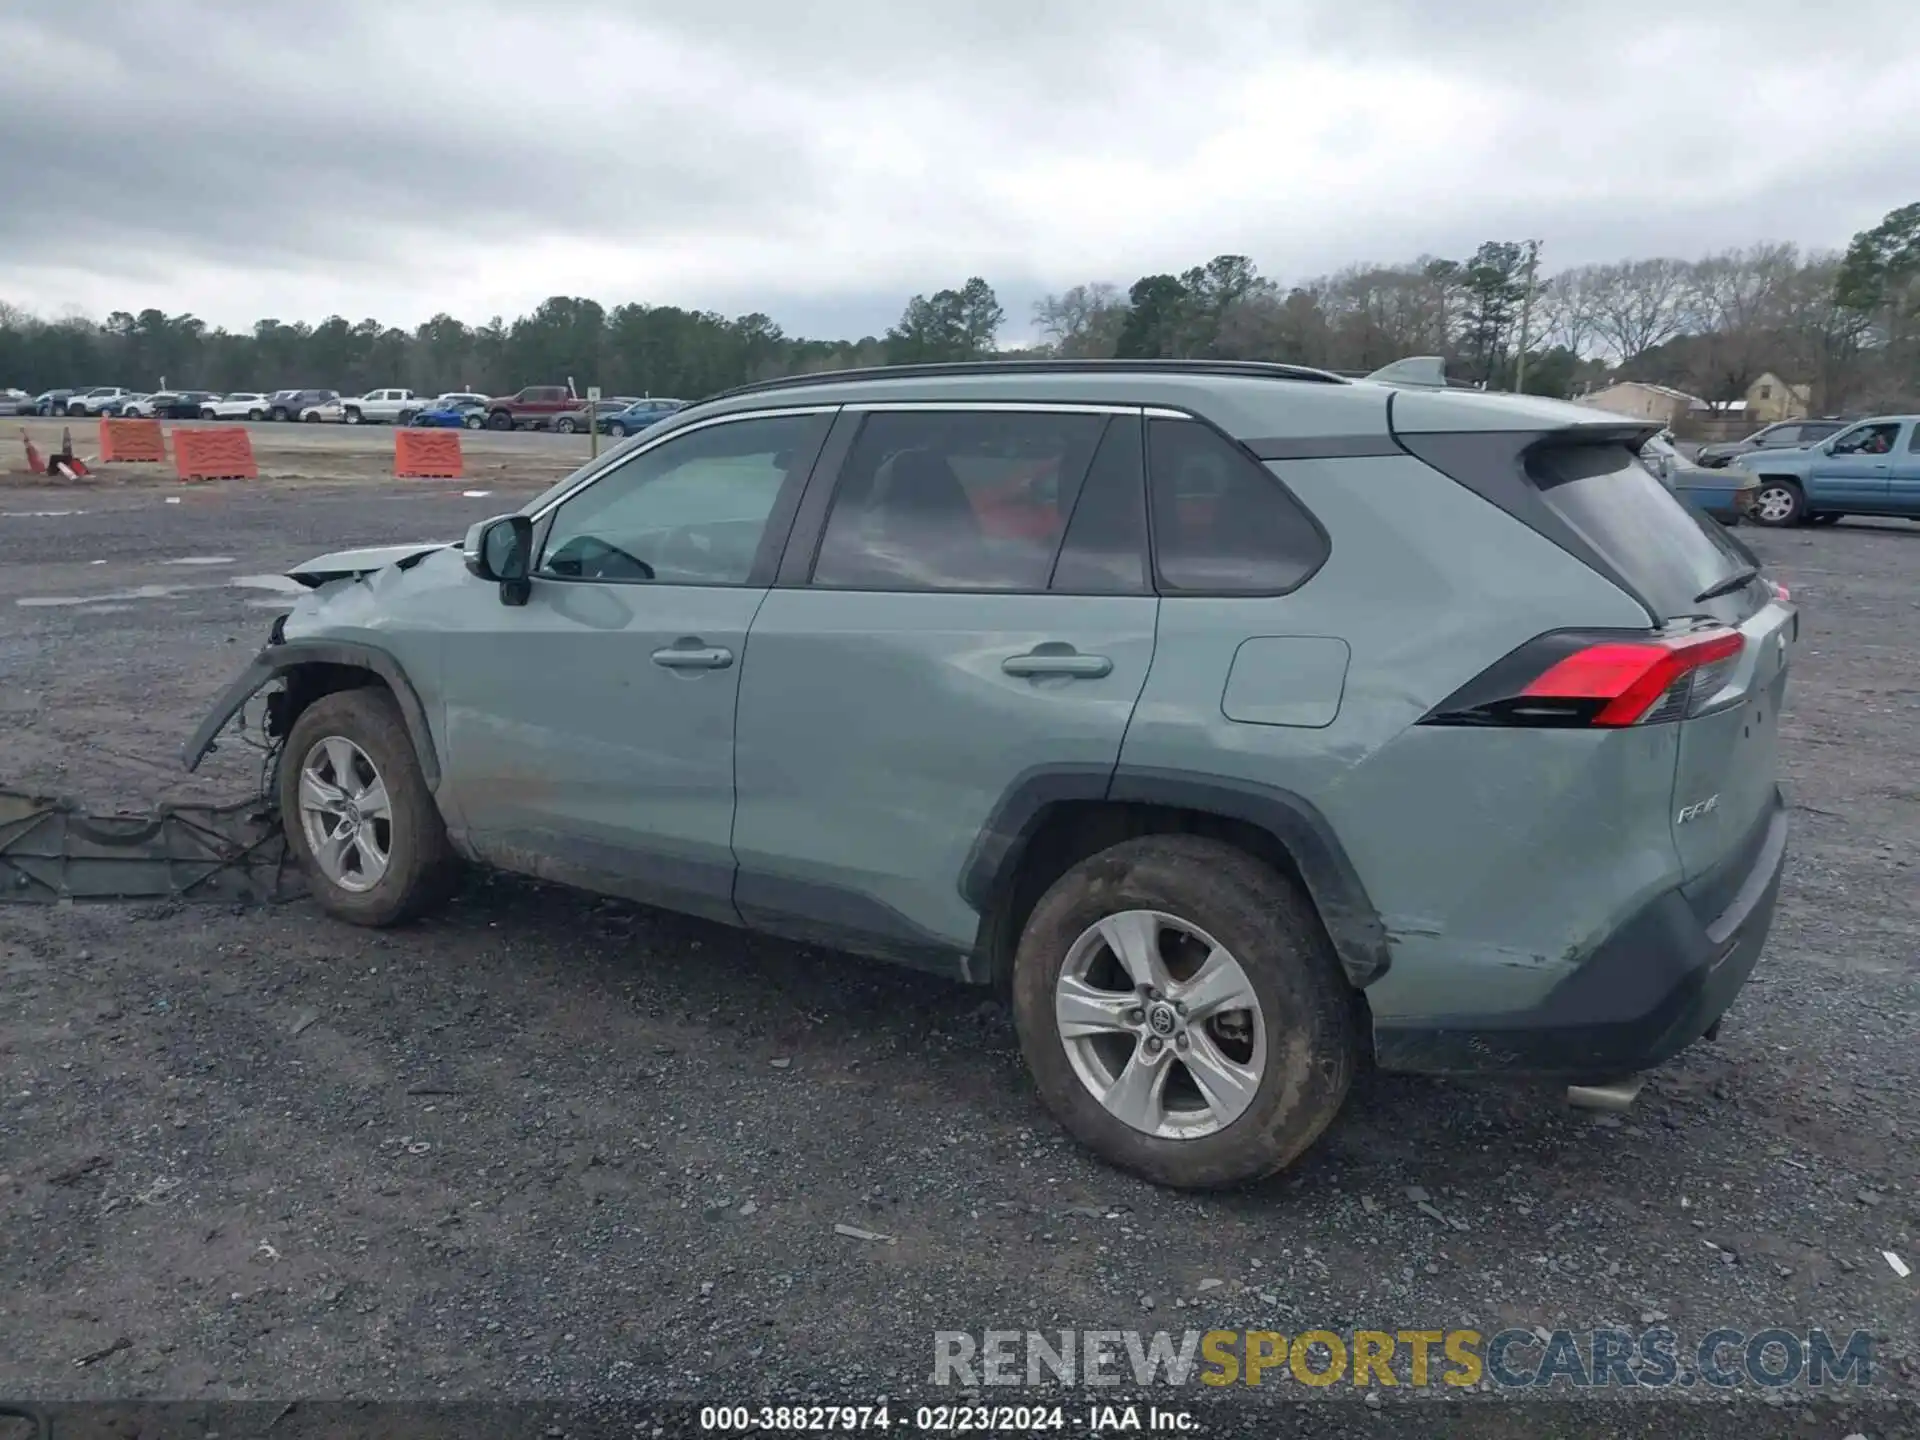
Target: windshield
(1617,506)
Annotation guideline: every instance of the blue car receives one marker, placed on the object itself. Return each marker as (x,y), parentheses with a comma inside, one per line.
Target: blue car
(638,416)
(1870,468)
(1727,494)
(463,416)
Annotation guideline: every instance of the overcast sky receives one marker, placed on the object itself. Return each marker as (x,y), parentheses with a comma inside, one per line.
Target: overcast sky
(821,161)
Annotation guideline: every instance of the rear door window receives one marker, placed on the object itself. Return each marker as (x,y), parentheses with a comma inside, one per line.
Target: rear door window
(956,500)
(1616,505)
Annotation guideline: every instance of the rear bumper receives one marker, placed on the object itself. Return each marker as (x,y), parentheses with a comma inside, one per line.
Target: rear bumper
(1652,988)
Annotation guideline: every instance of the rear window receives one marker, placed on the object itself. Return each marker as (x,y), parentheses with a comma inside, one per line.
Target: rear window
(1616,505)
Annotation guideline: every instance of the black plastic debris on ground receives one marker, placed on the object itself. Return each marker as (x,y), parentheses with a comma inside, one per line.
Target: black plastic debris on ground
(52,850)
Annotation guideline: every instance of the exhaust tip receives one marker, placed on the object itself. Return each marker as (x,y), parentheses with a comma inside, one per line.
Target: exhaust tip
(1616,1096)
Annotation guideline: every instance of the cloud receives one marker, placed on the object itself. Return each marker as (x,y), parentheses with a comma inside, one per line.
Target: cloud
(821,162)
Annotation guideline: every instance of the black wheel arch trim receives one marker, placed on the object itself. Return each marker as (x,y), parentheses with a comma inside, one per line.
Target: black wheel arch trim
(274,661)
(1353,924)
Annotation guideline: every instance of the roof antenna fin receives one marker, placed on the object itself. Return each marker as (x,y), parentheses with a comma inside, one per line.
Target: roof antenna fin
(1421,372)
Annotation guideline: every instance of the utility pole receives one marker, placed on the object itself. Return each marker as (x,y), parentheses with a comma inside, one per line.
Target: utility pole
(1526,318)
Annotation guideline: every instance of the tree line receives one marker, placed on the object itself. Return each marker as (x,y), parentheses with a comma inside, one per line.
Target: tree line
(1847,322)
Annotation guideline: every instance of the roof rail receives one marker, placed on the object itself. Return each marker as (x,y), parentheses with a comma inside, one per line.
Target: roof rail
(1250,369)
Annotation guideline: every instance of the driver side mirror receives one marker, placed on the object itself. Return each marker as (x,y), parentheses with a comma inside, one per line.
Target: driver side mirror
(501,550)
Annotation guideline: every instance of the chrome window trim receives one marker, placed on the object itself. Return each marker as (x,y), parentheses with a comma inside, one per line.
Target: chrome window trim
(1013,407)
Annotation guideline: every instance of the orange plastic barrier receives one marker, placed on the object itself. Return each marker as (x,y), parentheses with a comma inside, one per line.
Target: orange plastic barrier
(427,454)
(222,454)
(137,440)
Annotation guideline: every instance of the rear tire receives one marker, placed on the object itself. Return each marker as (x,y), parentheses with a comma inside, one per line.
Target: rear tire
(1780,503)
(1199,898)
(564,425)
(406,417)
(255,415)
(419,866)
(500,420)
(352,417)
(617,429)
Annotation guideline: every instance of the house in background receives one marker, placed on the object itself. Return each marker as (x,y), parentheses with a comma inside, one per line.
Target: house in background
(1770,399)
(1639,400)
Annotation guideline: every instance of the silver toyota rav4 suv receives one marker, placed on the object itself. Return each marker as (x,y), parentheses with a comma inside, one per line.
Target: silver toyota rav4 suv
(1241,722)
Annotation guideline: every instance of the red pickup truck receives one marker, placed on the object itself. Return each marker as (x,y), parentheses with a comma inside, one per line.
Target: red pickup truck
(533,408)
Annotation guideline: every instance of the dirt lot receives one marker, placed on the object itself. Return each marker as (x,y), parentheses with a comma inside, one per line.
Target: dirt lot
(325,453)
(548,1146)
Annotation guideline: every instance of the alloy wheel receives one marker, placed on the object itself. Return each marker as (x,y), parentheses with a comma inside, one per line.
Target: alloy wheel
(1774,505)
(1161,1024)
(346,814)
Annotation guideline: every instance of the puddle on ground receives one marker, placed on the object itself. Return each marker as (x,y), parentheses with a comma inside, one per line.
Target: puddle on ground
(202,560)
(280,584)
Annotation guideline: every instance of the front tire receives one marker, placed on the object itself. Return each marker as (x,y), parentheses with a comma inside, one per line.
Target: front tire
(474,422)
(1780,503)
(1182,1012)
(357,813)
(617,429)
(406,417)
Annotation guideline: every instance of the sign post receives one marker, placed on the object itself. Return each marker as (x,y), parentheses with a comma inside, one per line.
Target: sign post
(593,421)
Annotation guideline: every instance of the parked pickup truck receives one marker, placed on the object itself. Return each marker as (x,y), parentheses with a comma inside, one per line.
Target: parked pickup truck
(534,408)
(392,407)
(1871,468)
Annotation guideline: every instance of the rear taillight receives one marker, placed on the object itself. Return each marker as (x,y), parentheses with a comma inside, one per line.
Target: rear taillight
(1587,680)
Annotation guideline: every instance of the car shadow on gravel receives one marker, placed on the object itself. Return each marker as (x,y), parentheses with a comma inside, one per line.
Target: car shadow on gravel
(836,1011)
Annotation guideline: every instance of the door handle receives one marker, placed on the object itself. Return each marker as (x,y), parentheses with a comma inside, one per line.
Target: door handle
(1057,662)
(694,657)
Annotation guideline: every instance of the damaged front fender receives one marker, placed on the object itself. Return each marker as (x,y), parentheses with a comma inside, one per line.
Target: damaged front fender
(284,661)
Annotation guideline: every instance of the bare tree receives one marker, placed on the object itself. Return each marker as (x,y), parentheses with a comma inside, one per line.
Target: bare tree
(1083,322)
(1566,309)
(1735,303)
(1637,304)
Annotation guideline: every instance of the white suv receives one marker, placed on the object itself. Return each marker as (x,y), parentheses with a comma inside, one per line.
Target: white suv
(241,405)
(395,407)
(97,400)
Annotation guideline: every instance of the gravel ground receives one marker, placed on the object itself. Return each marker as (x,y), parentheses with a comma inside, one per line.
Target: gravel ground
(549,1146)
